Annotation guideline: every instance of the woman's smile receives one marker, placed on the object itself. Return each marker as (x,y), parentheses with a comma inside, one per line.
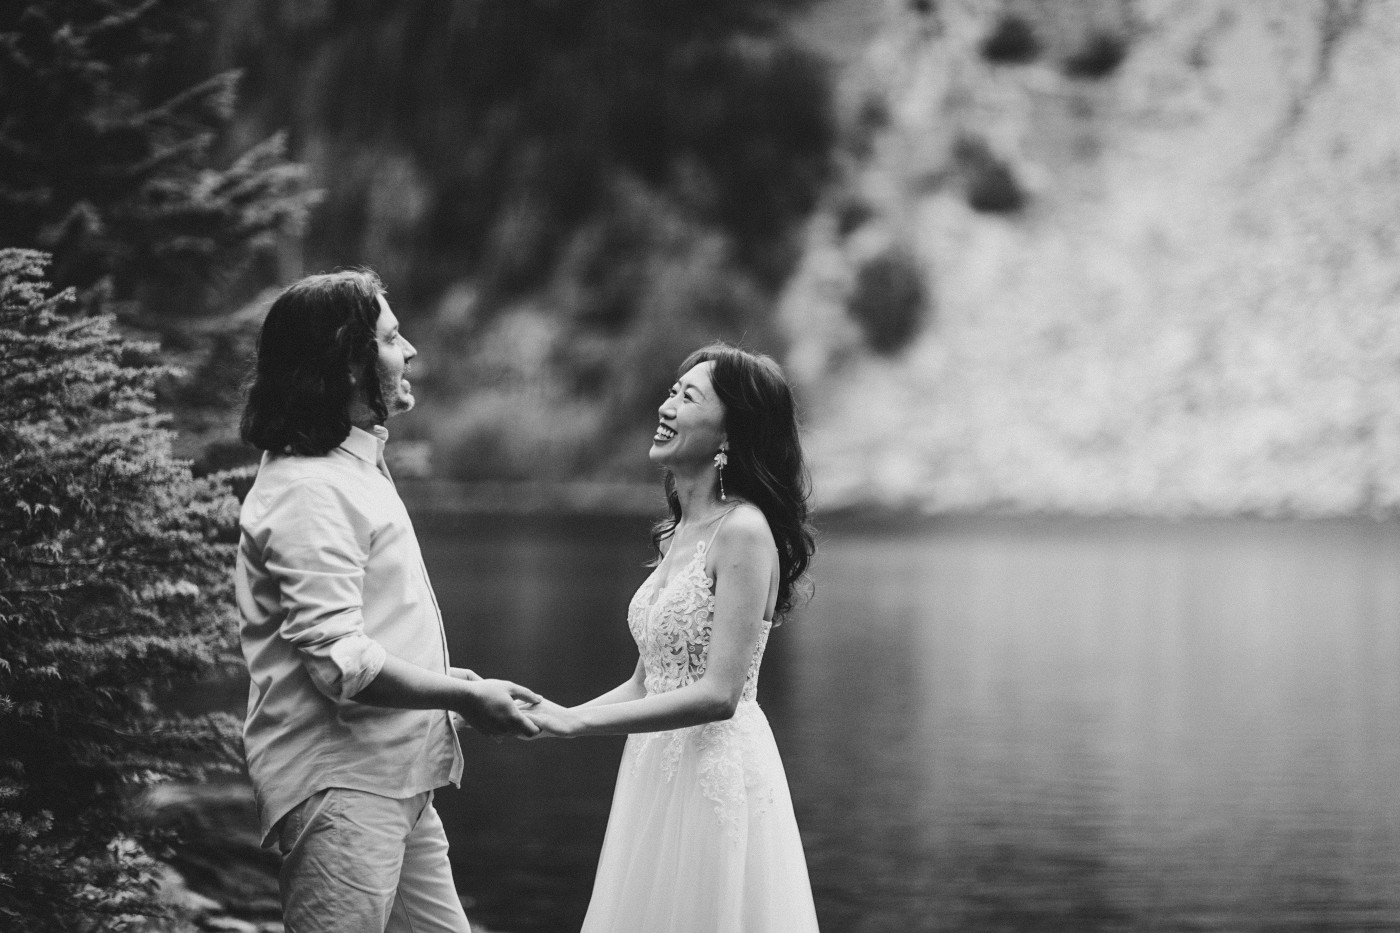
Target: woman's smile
(690,421)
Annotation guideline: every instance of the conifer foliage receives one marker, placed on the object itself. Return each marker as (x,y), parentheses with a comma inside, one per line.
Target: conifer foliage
(110,153)
(114,590)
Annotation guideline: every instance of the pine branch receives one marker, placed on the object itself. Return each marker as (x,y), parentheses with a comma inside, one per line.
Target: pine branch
(44,590)
(120,18)
(222,87)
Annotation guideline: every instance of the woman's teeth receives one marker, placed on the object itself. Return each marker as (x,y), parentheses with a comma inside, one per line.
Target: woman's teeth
(663,434)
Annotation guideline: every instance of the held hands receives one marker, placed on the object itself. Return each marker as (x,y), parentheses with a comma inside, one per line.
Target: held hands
(505,708)
(554,720)
(496,707)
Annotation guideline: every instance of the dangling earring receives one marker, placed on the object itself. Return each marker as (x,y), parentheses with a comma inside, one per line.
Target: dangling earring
(721,461)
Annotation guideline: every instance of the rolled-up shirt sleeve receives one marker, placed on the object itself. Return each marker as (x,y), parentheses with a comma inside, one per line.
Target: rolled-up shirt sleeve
(318,548)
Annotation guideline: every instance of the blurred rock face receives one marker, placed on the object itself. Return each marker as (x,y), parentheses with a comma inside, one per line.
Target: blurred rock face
(1112,257)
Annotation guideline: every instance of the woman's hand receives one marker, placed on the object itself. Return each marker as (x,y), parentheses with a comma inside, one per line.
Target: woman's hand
(554,720)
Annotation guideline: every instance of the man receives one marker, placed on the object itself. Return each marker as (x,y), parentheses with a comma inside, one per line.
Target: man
(349,727)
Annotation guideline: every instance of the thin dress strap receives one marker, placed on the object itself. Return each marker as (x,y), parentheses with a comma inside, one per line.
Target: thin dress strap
(719,524)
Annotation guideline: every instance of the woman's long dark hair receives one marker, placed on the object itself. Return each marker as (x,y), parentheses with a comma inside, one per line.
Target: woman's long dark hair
(765,457)
(316,333)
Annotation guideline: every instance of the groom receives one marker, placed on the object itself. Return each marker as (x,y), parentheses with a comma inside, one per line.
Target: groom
(348,730)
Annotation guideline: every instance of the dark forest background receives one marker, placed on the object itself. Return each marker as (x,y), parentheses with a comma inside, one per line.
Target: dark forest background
(563,199)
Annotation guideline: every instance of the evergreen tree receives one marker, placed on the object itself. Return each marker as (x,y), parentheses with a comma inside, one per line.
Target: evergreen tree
(109,142)
(119,158)
(114,590)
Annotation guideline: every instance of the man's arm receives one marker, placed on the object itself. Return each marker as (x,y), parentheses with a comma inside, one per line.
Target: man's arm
(488,706)
(317,547)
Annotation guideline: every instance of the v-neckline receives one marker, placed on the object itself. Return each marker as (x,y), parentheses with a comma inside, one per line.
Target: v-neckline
(659,589)
(701,547)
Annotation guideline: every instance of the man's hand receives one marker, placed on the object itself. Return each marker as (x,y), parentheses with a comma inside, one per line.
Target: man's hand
(463,673)
(554,720)
(490,708)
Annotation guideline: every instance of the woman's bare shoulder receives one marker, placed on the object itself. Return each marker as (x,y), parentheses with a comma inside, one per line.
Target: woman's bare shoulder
(745,529)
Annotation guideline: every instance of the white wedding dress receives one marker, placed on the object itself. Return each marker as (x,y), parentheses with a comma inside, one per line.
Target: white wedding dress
(702,837)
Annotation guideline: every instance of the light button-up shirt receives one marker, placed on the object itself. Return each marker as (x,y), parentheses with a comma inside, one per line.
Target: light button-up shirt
(330,580)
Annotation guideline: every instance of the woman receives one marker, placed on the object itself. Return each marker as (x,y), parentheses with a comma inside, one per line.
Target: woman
(702,837)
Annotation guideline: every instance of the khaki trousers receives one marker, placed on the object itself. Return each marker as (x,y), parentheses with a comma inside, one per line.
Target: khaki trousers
(355,862)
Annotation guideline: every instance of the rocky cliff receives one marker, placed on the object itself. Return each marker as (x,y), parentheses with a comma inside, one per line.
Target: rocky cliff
(1107,257)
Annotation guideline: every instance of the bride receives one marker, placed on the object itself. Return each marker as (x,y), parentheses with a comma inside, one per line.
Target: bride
(702,837)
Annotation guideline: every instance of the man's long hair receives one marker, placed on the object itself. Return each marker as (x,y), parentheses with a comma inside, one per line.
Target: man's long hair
(766,465)
(317,332)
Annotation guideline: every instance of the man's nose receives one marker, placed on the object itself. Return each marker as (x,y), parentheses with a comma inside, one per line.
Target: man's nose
(409,350)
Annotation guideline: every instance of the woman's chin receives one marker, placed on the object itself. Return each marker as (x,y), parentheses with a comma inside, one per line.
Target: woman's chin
(667,455)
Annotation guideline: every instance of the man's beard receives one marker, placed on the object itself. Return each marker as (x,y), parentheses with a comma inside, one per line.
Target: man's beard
(391,395)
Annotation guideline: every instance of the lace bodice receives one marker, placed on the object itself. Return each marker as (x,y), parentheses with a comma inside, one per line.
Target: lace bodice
(735,759)
(672,624)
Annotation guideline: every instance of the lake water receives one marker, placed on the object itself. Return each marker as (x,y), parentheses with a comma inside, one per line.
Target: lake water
(988,725)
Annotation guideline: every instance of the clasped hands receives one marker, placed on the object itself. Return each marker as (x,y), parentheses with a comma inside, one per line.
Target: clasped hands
(503,708)
(552,720)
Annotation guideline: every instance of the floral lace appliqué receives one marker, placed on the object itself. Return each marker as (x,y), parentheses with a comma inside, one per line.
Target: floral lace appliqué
(735,768)
(672,629)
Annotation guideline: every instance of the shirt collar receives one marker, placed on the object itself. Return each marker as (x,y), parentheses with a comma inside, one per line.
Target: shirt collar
(366,446)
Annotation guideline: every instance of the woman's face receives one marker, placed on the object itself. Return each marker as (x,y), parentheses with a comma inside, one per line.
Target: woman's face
(692,421)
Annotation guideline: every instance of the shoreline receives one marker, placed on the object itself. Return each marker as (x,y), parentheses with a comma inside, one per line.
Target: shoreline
(451,498)
(447,502)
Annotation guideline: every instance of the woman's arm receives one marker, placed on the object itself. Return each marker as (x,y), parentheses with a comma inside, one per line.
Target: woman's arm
(634,688)
(743,575)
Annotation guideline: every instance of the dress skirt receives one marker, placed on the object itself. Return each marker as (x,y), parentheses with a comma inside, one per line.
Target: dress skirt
(702,837)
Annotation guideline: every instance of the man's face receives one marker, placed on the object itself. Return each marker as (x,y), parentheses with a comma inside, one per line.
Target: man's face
(392,366)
